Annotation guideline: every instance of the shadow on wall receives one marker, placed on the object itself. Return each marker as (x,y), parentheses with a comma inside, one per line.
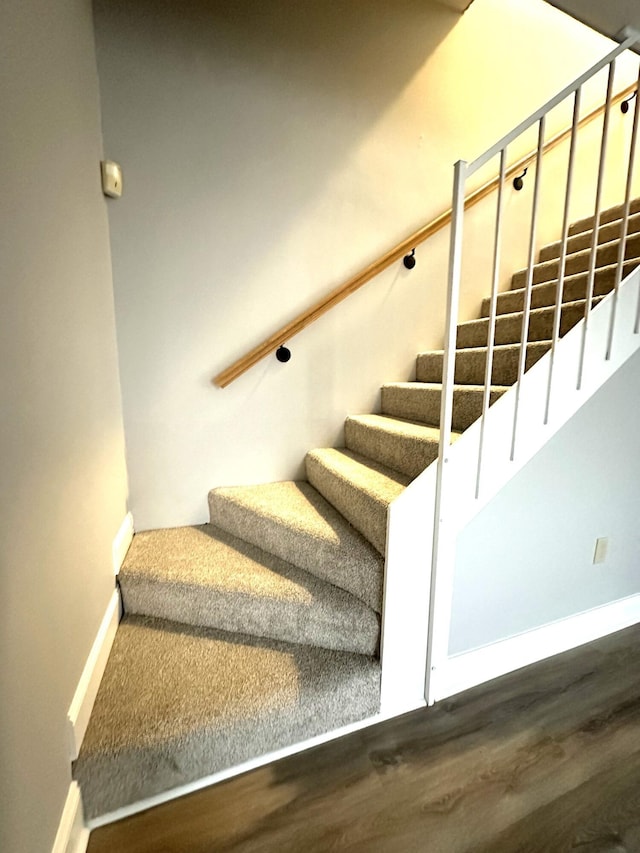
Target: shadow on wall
(235,88)
(270,148)
(232,119)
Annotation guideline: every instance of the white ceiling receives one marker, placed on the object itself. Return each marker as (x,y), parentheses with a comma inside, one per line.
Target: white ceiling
(607,16)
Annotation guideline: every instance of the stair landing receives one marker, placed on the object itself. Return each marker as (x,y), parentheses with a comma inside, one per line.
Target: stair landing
(179,703)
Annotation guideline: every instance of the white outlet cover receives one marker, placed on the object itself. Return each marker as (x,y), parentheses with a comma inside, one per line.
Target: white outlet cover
(111,178)
(600,552)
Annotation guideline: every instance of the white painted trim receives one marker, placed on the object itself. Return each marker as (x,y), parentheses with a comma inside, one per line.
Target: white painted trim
(230,772)
(533,434)
(468,669)
(85,695)
(405,613)
(72,835)
(122,542)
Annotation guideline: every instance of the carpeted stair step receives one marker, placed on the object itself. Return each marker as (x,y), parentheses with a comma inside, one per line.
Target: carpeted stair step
(471,363)
(575,288)
(420,401)
(609,215)
(606,233)
(294,522)
(204,576)
(403,445)
(359,488)
(579,262)
(178,703)
(509,326)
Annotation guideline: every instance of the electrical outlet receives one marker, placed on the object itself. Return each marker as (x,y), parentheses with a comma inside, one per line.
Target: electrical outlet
(600,551)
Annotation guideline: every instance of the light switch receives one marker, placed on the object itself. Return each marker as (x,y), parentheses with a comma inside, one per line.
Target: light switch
(111,178)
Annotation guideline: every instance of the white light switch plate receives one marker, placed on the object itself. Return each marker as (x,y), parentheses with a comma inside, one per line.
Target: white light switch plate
(111,178)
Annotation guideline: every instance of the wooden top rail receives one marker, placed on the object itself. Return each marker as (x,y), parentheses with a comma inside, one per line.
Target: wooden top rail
(399,251)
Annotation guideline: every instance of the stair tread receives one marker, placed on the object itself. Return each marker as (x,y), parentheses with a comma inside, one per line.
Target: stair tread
(421,401)
(293,521)
(471,363)
(568,279)
(508,328)
(374,479)
(437,386)
(543,310)
(399,426)
(360,488)
(178,703)
(404,445)
(611,214)
(606,255)
(607,232)
(544,293)
(202,575)
(498,348)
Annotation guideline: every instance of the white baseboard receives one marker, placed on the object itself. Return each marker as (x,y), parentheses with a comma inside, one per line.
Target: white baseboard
(230,772)
(85,695)
(72,835)
(460,672)
(122,542)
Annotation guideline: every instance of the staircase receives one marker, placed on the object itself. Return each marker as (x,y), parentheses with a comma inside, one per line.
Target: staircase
(261,629)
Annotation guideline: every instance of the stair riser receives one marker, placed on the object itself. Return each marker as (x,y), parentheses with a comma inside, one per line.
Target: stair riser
(408,455)
(273,619)
(365,513)
(471,366)
(423,404)
(581,241)
(606,216)
(544,295)
(607,254)
(509,328)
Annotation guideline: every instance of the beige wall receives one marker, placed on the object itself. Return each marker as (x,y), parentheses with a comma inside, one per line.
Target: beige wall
(270,150)
(62,474)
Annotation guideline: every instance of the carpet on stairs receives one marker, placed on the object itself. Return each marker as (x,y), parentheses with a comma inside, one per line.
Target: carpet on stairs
(261,629)
(178,703)
(292,520)
(202,575)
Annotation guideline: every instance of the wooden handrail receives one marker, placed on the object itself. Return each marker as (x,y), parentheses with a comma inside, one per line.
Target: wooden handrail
(399,251)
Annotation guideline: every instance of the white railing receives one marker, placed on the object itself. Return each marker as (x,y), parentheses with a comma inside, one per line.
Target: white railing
(444,531)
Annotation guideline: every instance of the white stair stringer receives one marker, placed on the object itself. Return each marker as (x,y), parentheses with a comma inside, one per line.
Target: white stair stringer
(409,586)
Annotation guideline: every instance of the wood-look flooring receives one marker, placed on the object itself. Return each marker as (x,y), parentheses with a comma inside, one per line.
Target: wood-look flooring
(545,759)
